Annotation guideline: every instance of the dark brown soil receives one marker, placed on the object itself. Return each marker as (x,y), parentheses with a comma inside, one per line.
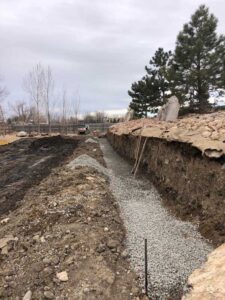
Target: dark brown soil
(192,186)
(67,222)
(26,162)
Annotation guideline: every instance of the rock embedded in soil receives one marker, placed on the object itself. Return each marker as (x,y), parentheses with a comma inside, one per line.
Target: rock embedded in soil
(28,295)
(48,295)
(62,276)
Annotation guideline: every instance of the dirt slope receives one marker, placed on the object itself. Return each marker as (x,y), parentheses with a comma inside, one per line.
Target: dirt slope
(66,240)
(26,162)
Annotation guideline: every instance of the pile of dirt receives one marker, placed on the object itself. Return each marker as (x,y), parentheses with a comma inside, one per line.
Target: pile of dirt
(204,132)
(66,239)
(26,162)
(207,282)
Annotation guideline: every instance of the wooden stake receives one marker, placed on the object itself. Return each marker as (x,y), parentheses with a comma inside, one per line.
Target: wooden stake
(140,158)
(136,153)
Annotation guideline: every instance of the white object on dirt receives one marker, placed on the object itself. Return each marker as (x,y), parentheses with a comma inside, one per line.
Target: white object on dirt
(5,221)
(27,296)
(170,110)
(90,140)
(62,276)
(4,241)
(22,134)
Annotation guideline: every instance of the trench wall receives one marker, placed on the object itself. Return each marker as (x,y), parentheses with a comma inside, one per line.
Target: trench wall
(192,186)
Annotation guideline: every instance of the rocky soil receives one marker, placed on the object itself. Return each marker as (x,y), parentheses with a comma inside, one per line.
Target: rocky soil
(65,239)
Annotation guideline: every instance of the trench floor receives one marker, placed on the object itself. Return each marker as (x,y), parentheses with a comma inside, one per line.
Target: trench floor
(175,247)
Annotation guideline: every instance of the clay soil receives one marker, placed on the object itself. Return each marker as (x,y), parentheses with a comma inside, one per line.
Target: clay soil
(192,186)
(60,220)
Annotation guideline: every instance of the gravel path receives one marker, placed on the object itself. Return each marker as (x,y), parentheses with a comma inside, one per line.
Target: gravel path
(175,248)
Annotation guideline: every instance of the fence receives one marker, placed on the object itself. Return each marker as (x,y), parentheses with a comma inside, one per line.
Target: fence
(5,129)
(57,128)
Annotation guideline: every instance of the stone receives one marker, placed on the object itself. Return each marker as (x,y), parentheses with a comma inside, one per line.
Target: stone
(112,244)
(101,248)
(49,295)
(62,276)
(125,254)
(28,295)
(172,109)
(21,134)
(86,290)
(47,261)
(48,271)
(215,136)
(206,134)
(169,111)
(42,239)
(106,229)
(5,221)
(4,241)
(36,238)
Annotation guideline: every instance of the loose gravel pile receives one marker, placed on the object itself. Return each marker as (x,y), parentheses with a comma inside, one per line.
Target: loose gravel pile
(90,140)
(175,248)
(85,160)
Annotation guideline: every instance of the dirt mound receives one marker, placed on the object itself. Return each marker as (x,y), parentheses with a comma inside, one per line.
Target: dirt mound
(208,282)
(67,240)
(204,132)
(26,162)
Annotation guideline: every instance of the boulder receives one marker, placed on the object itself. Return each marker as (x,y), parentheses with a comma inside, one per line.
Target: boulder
(169,111)
(21,134)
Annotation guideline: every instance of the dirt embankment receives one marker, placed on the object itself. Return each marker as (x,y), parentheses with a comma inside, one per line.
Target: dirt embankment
(192,185)
(66,239)
(26,162)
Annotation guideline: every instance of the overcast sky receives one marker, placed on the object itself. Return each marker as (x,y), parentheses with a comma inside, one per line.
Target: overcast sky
(98,47)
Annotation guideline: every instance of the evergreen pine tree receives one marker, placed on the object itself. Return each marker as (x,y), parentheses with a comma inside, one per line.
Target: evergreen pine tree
(145,96)
(160,70)
(219,81)
(195,58)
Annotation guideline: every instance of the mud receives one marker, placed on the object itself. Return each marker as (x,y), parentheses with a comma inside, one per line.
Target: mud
(191,185)
(26,162)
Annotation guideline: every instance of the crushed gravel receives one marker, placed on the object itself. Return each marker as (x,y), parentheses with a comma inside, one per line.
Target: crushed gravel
(175,248)
(85,160)
(90,140)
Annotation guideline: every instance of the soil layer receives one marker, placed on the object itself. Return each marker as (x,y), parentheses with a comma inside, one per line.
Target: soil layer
(65,240)
(24,163)
(192,186)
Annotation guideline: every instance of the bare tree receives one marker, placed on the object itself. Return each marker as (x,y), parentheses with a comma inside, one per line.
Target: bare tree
(3,94)
(34,84)
(22,112)
(64,111)
(48,93)
(100,116)
(76,106)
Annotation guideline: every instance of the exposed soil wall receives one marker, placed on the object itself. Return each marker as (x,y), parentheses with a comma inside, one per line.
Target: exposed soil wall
(191,185)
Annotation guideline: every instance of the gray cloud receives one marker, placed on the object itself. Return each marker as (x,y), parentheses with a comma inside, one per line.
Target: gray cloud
(99,47)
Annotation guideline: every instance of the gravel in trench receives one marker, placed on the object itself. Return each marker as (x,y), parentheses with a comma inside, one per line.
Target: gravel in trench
(175,248)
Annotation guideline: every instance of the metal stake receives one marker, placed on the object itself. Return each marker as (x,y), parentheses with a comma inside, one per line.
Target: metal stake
(146,268)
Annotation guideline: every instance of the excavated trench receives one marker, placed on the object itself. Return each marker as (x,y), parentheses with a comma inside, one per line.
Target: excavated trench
(175,247)
(191,186)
